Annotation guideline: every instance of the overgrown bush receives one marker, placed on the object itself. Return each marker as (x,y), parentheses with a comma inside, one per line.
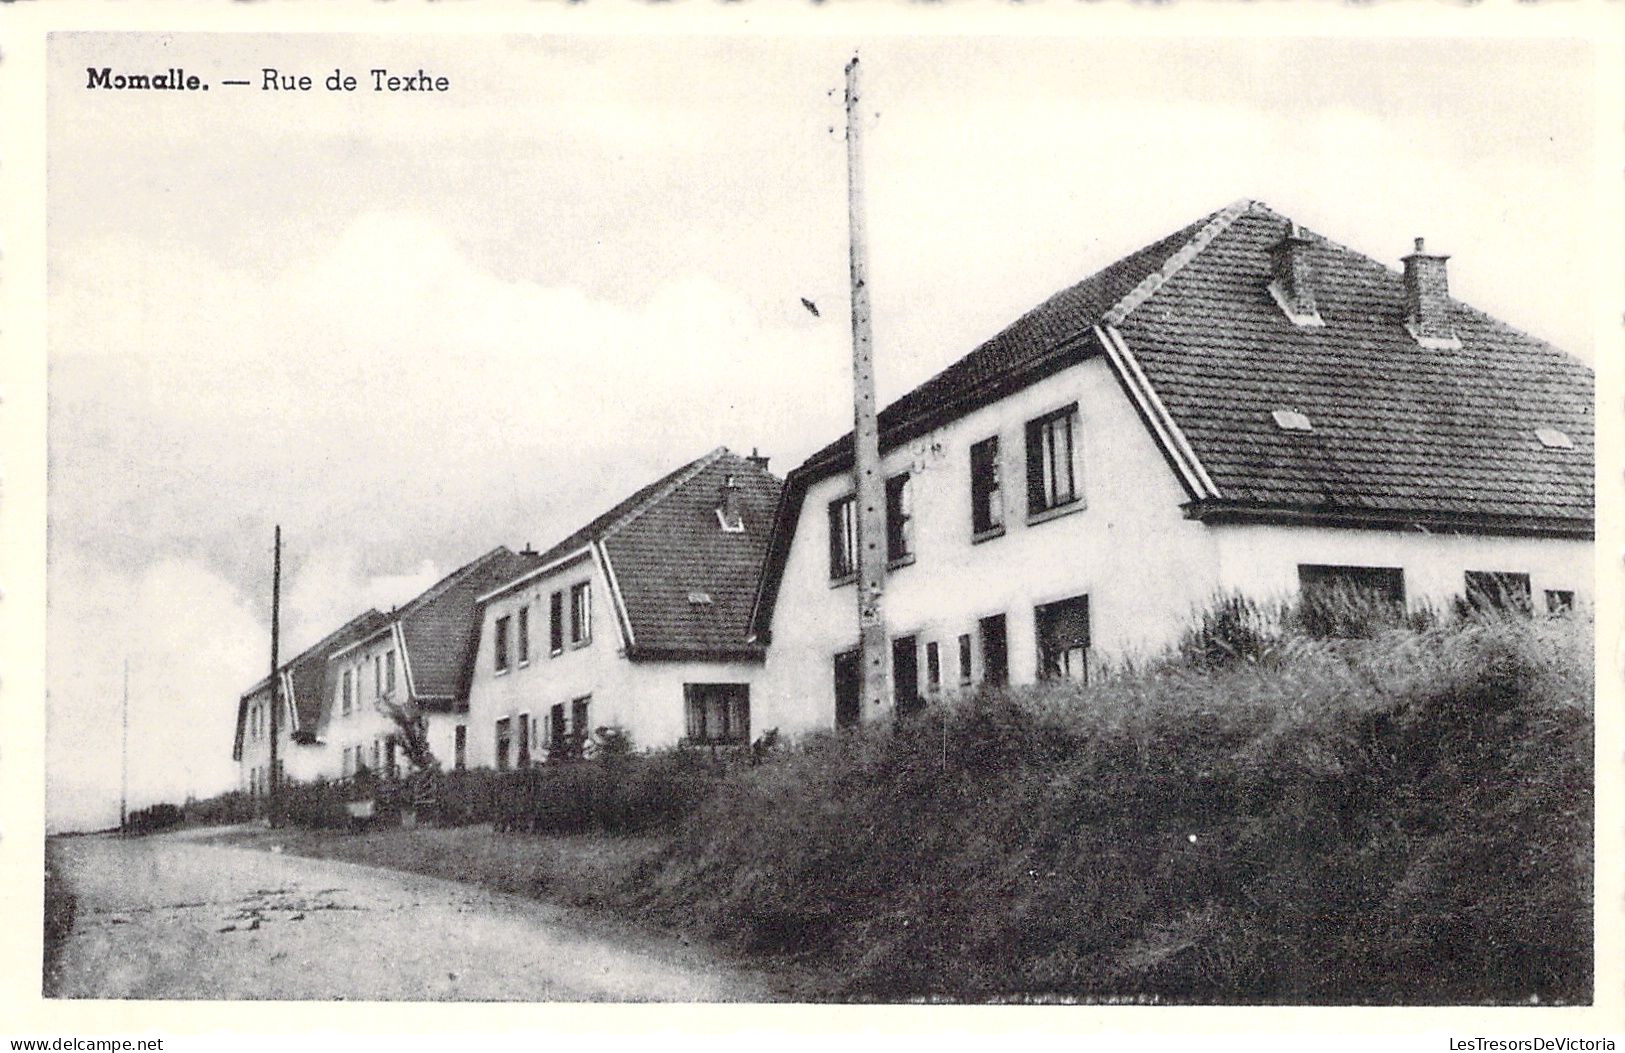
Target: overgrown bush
(221,810)
(1398,816)
(617,792)
(153,818)
(60,908)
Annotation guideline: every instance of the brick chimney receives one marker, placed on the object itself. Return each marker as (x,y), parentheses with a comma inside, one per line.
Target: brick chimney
(728,510)
(1427,299)
(1293,277)
(757,459)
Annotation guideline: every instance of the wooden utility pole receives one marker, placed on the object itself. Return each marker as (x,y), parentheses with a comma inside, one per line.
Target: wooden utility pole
(273,779)
(124,756)
(869,481)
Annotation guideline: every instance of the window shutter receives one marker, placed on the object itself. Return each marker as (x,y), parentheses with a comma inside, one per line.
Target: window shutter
(1035,466)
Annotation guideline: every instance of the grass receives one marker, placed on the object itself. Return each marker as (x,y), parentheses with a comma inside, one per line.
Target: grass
(1400,817)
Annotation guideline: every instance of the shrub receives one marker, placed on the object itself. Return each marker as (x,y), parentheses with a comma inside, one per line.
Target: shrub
(1398,816)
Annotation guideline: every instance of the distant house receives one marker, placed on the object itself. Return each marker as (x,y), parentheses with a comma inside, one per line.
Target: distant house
(637,620)
(414,660)
(304,688)
(1243,405)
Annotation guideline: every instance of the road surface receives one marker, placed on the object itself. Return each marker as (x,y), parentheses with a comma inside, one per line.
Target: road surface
(161,917)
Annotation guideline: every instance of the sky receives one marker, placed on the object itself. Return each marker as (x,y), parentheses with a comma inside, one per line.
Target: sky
(409,327)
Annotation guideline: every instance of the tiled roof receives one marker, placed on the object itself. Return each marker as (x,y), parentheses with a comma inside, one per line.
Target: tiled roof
(308,672)
(441,629)
(1397,427)
(1400,433)
(685,584)
(1056,325)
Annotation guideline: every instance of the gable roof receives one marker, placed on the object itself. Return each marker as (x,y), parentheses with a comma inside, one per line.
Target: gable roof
(306,674)
(664,547)
(1402,435)
(440,628)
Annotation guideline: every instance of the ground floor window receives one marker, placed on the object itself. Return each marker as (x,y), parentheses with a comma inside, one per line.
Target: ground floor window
(580,722)
(995,650)
(717,714)
(848,689)
(1502,590)
(459,747)
(524,740)
(1343,600)
(1559,601)
(504,740)
(905,674)
(1063,638)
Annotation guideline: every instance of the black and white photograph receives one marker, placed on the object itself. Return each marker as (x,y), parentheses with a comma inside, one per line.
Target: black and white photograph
(834,519)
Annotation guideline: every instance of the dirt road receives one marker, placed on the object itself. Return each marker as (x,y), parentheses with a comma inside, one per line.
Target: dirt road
(163,917)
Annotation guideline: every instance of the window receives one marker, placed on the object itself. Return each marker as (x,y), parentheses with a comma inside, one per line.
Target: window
(391,767)
(581,613)
(555,729)
(377,755)
(986,487)
(1063,638)
(843,537)
(556,632)
(905,674)
(459,748)
(1344,601)
(578,716)
(1499,590)
(504,739)
(848,689)
(933,668)
(345,693)
(899,518)
(523,637)
(717,714)
(377,676)
(389,673)
(1051,460)
(964,658)
(524,740)
(1559,601)
(500,644)
(995,650)
(1292,420)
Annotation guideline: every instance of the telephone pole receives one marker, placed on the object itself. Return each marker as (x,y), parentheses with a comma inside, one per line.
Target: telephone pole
(869,481)
(274,780)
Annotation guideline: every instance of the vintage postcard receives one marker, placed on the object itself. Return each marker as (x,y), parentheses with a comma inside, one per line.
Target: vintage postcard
(817,520)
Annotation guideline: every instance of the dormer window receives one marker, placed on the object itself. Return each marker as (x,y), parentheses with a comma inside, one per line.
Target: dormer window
(1291,420)
(1553,439)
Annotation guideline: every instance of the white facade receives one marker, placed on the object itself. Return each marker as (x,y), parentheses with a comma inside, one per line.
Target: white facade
(1125,545)
(539,686)
(358,732)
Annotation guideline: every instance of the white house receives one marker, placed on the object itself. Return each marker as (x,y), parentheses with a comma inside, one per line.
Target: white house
(304,689)
(1241,406)
(415,659)
(637,620)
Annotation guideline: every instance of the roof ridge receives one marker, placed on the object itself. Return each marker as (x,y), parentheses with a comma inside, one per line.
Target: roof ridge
(683,477)
(286,668)
(1174,264)
(441,587)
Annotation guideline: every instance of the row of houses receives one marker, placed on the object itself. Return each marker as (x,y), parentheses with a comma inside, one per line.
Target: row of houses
(1243,405)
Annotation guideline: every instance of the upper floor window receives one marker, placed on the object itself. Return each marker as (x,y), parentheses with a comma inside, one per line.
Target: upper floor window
(522,638)
(389,673)
(986,487)
(1052,475)
(556,632)
(581,613)
(843,537)
(899,518)
(347,693)
(499,643)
